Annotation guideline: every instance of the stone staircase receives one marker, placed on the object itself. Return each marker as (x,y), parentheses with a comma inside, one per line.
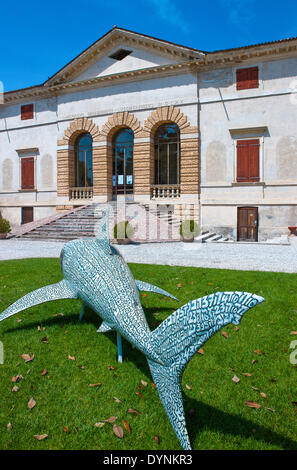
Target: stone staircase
(208,237)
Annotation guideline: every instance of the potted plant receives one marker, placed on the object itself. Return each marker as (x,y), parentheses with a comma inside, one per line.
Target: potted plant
(4,228)
(188,230)
(123,232)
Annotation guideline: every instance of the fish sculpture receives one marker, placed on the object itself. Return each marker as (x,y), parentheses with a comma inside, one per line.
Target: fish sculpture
(95,272)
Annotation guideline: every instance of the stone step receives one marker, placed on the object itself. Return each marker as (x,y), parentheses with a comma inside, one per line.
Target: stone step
(214,238)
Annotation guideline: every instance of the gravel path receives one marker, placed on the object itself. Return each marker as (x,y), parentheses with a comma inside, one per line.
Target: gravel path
(251,257)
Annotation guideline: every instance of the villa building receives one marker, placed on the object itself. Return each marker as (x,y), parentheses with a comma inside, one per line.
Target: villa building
(213,134)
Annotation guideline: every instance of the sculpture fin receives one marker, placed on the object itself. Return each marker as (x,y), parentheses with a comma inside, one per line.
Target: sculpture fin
(61,290)
(104,327)
(168,383)
(102,234)
(177,339)
(145,286)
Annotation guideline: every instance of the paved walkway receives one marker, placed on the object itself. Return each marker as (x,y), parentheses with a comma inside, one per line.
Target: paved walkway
(251,257)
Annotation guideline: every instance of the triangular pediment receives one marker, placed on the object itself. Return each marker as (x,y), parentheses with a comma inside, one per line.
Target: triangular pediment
(105,56)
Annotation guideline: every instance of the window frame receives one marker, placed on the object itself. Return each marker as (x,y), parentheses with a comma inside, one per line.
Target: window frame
(260,81)
(261,159)
(156,144)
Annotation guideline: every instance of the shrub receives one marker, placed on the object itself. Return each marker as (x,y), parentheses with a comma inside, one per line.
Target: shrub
(189,229)
(123,230)
(4,226)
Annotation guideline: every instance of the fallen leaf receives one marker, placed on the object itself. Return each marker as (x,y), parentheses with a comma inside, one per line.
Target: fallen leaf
(255,388)
(27,357)
(144,295)
(19,320)
(127,426)
(118,431)
(59,315)
(293,333)
(9,427)
(72,358)
(157,439)
(271,409)
(254,361)
(44,372)
(247,374)
(188,387)
(17,378)
(117,400)
(252,404)
(15,389)
(200,351)
(210,283)
(96,385)
(263,394)
(99,425)
(40,437)
(65,429)
(133,411)
(179,286)
(31,403)
(144,383)
(225,334)
(236,379)
(139,394)
(236,328)
(44,339)
(110,367)
(112,419)
(258,351)
(154,385)
(81,367)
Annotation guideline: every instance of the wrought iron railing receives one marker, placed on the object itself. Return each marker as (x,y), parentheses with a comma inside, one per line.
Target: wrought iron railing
(81,193)
(165,191)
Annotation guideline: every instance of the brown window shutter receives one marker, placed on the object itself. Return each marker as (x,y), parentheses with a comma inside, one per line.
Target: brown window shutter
(248,160)
(254,77)
(27,111)
(27,171)
(241,79)
(254,147)
(242,160)
(247,78)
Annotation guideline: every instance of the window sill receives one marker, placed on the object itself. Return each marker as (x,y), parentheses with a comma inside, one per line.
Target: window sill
(248,183)
(33,190)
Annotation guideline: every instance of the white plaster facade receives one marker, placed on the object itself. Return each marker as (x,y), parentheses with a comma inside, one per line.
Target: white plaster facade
(158,74)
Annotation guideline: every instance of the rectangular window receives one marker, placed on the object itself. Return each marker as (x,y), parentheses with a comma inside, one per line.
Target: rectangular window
(247,78)
(27,111)
(248,160)
(27,173)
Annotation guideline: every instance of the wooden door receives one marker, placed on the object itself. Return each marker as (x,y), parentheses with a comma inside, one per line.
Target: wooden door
(27,215)
(247,224)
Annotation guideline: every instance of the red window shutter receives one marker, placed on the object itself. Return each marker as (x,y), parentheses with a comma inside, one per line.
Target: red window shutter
(27,166)
(27,111)
(241,79)
(247,78)
(248,160)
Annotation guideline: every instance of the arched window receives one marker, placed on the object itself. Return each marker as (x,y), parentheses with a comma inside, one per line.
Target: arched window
(122,162)
(167,154)
(84,161)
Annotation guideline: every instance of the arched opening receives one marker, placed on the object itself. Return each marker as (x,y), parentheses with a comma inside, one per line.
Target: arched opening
(122,162)
(83,161)
(167,155)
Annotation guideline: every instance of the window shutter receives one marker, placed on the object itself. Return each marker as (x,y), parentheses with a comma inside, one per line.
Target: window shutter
(27,111)
(248,160)
(241,79)
(247,78)
(27,172)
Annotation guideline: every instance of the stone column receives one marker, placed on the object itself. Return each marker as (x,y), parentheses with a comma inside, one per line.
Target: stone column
(102,171)
(143,161)
(65,170)
(189,162)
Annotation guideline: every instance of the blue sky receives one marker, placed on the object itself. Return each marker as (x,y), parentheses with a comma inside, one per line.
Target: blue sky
(38,38)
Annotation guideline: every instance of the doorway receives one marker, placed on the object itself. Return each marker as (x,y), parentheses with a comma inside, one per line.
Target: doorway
(247,224)
(122,164)
(27,215)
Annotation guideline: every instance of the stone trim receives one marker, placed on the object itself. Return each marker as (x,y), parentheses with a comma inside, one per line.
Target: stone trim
(77,127)
(117,121)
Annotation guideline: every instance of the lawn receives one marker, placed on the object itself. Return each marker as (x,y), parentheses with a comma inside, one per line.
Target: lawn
(75,356)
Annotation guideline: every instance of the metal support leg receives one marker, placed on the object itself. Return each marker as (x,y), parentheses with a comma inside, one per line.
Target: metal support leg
(120,348)
(82,311)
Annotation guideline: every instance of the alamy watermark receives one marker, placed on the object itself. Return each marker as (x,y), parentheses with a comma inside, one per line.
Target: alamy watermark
(293,355)
(1,353)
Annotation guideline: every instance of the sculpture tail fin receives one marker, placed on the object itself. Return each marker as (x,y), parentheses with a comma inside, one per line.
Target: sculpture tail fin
(168,383)
(61,290)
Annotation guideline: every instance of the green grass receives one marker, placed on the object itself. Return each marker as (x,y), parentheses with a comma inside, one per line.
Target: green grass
(220,420)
